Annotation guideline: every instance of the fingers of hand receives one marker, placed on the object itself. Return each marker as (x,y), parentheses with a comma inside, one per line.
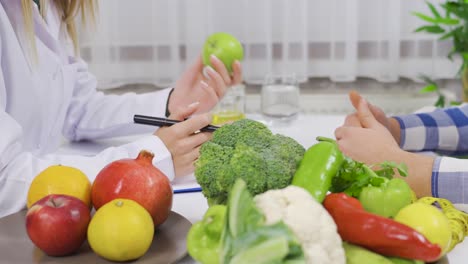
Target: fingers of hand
(219,67)
(364,114)
(188,144)
(192,125)
(199,138)
(192,156)
(354,97)
(379,115)
(198,64)
(237,72)
(185,112)
(366,117)
(352,120)
(185,163)
(341,135)
(340,132)
(216,81)
(211,93)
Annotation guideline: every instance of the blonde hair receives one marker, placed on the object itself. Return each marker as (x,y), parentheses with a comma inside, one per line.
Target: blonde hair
(68,10)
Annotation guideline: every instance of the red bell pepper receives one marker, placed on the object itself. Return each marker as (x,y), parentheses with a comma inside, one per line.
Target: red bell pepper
(379,234)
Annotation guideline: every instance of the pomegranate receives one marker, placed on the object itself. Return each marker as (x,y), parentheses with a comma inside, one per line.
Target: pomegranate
(136,179)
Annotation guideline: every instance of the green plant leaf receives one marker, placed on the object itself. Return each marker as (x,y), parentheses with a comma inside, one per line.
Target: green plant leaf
(451,53)
(421,28)
(387,169)
(458,9)
(428,89)
(436,29)
(455,103)
(427,79)
(433,9)
(425,17)
(402,169)
(448,21)
(440,101)
(465,56)
(447,35)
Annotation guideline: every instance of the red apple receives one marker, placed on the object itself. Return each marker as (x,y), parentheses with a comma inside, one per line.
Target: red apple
(138,180)
(57,224)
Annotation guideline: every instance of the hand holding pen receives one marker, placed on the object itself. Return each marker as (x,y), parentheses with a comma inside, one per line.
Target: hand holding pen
(182,139)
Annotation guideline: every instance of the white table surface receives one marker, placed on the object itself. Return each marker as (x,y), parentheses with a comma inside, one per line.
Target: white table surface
(304,129)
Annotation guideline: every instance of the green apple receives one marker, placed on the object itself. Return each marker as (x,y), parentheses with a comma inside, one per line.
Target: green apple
(225,47)
(429,221)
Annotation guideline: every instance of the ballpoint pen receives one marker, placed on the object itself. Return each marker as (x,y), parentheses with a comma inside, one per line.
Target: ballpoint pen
(161,121)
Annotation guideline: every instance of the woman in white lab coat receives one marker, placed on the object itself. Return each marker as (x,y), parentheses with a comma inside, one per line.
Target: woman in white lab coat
(46,92)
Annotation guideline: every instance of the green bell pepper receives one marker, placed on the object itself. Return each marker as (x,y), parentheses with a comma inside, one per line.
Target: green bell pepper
(204,237)
(317,168)
(387,199)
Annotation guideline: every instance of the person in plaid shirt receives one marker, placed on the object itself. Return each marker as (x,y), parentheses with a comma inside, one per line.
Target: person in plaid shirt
(369,136)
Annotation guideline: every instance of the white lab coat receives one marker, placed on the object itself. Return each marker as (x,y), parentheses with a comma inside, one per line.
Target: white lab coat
(39,104)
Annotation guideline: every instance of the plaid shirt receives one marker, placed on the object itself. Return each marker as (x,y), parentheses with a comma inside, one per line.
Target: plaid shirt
(444,131)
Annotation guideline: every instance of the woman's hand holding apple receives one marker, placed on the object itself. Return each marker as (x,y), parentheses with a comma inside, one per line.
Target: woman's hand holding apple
(208,79)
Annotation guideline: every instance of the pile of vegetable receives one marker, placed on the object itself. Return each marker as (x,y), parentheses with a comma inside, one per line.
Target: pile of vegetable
(266,198)
(278,226)
(246,149)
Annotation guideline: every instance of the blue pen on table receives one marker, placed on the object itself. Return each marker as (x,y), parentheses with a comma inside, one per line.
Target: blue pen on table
(188,190)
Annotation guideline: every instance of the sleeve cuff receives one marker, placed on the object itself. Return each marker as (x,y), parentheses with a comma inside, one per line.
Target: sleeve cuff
(450,179)
(167,102)
(162,101)
(162,157)
(402,131)
(412,132)
(435,177)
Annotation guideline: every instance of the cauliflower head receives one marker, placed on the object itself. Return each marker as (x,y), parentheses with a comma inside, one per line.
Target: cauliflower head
(308,220)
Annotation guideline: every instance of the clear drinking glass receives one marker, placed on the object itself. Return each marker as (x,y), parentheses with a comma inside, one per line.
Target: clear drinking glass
(280,97)
(231,107)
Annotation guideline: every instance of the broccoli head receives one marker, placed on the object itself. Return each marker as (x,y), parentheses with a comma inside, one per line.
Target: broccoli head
(246,149)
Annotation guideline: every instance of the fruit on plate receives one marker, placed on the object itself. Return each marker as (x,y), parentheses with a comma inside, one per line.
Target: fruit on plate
(135,179)
(121,230)
(57,224)
(60,179)
(225,47)
(429,221)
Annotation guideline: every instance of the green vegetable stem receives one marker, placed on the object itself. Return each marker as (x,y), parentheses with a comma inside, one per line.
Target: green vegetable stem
(320,164)
(204,237)
(387,199)
(354,176)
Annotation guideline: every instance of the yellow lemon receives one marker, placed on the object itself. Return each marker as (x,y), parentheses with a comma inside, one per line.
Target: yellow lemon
(121,230)
(429,221)
(59,179)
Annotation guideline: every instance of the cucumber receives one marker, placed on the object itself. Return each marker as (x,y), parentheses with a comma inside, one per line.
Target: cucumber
(405,261)
(359,255)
